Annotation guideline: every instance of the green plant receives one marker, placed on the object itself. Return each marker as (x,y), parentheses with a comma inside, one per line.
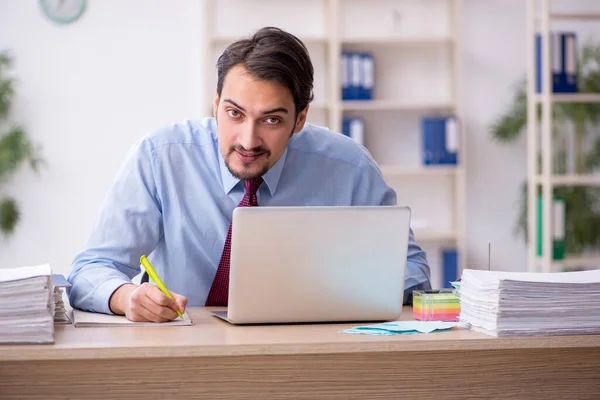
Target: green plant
(15,146)
(581,120)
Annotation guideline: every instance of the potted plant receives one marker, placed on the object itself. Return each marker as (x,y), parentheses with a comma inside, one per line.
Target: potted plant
(16,148)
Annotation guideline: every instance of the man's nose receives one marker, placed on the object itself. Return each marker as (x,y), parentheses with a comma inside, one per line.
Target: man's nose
(249,137)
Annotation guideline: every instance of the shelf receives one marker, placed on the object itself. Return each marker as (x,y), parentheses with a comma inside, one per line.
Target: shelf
(230,39)
(571,180)
(589,262)
(434,235)
(356,40)
(397,41)
(574,17)
(572,98)
(433,170)
(391,105)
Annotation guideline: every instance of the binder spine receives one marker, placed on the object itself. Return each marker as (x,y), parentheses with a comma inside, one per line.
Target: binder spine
(368,76)
(355,76)
(345,75)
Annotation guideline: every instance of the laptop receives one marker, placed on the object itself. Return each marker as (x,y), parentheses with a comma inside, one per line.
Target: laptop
(317,264)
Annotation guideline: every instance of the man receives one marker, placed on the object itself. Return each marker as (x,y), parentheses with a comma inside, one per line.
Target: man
(175,193)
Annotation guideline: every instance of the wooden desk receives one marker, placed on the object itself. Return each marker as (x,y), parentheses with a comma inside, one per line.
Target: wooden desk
(214,360)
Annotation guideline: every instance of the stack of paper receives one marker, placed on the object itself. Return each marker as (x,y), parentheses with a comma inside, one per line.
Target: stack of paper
(522,304)
(26,305)
(60,312)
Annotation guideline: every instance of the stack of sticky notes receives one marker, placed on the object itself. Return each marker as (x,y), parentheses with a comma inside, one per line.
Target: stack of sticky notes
(436,305)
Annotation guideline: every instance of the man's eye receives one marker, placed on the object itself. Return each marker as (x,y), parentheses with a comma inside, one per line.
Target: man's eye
(233,113)
(273,120)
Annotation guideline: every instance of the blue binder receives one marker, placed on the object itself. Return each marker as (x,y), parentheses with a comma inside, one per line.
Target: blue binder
(345,75)
(355,76)
(569,62)
(450,266)
(346,126)
(354,128)
(367,76)
(439,140)
(563,61)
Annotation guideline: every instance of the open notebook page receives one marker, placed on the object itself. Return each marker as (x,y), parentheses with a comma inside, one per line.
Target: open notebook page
(89,319)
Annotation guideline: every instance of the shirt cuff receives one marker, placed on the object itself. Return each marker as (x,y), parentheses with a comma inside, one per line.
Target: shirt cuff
(104,292)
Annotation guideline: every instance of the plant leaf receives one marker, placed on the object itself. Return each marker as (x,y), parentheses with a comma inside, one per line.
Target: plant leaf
(16,149)
(7,92)
(509,125)
(9,215)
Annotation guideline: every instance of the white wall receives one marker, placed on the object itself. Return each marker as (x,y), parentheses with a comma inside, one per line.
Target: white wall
(88,90)
(494,59)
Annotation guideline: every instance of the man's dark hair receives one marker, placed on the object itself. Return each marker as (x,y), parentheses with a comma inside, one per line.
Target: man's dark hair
(272,54)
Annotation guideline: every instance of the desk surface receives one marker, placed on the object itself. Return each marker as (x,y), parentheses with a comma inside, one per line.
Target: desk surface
(210,337)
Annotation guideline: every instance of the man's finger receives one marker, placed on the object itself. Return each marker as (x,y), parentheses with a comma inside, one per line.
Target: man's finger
(140,314)
(155,313)
(164,312)
(180,302)
(158,297)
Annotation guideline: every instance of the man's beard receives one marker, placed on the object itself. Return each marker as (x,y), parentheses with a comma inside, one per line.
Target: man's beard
(243,175)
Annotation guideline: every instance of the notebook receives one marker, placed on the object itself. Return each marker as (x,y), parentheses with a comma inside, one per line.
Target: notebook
(83,319)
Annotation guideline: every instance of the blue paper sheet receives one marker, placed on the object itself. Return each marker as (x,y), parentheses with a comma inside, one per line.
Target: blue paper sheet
(402,327)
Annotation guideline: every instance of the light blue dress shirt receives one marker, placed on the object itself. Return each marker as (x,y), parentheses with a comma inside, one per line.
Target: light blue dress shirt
(173,199)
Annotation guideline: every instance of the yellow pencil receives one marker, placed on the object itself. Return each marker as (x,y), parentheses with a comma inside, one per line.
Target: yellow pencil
(154,276)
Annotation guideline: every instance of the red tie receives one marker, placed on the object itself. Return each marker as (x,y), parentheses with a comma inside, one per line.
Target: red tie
(219,292)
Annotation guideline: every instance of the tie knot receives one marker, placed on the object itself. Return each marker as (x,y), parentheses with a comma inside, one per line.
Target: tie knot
(251,185)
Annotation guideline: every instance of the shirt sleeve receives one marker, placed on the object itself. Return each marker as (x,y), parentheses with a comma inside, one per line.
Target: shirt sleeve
(371,189)
(129,224)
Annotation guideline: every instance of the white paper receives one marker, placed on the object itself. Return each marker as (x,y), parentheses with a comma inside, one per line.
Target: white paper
(15,274)
(83,319)
(26,305)
(524,304)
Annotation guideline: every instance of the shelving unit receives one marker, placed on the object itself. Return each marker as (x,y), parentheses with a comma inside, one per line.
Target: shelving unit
(397,41)
(570,180)
(576,262)
(441,170)
(573,17)
(539,19)
(391,105)
(415,46)
(571,98)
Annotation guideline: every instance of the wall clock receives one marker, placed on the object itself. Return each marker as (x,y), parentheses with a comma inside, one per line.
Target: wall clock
(63,11)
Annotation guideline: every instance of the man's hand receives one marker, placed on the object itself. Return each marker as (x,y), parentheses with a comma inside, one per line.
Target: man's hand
(146,303)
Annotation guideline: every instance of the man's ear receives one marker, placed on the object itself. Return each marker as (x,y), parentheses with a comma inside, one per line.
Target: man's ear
(216,105)
(301,120)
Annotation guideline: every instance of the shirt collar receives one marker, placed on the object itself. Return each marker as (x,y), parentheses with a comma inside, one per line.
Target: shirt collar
(271,177)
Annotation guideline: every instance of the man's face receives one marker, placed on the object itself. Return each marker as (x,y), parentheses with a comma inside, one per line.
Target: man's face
(255,122)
